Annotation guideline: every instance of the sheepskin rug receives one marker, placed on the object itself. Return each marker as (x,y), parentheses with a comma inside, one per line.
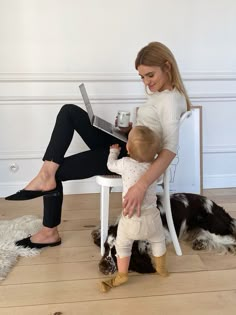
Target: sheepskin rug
(11,231)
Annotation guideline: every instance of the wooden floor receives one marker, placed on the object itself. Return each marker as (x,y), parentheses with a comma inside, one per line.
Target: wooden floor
(64,279)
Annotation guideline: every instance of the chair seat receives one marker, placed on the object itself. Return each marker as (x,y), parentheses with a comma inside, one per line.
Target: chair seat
(109,180)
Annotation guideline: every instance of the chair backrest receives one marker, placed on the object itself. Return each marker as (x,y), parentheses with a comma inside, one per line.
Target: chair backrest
(185,115)
(170,172)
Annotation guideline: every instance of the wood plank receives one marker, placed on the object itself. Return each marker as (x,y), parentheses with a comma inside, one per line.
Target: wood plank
(210,303)
(220,192)
(57,255)
(77,201)
(83,224)
(76,214)
(219,262)
(86,270)
(62,254)
(87,290)
(76,238)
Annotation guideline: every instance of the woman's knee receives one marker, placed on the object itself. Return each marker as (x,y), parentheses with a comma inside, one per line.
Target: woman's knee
(72,111)
(67,108)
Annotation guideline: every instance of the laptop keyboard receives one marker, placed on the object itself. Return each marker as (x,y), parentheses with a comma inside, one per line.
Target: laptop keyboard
(103,124)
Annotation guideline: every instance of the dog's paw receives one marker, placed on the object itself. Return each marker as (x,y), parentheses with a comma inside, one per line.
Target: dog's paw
(199,244)
(107,265)
(232,249)
(96,235)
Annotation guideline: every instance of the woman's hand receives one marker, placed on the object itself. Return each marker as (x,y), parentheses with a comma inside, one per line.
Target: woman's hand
(124,130)
(133,200)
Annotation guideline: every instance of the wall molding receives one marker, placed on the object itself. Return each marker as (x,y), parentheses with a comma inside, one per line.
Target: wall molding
(105,99)
(37,154)
(107,77)
(213,149)
(26,155)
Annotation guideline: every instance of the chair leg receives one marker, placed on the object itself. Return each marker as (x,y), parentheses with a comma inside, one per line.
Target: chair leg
(169,217)
(104,211)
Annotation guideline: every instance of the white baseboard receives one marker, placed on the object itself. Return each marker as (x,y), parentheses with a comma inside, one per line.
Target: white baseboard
(87,186)
(219,181)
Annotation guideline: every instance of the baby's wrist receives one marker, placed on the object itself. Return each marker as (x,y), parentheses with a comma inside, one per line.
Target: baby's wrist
(115,151)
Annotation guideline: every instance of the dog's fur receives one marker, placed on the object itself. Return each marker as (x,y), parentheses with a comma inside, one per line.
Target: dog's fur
(197,220)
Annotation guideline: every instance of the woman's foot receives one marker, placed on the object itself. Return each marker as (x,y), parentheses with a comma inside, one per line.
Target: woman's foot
(45,236)
(42,182)
(45,180)
(36,188)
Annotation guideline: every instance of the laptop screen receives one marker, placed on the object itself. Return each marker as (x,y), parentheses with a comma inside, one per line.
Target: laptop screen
(87,102)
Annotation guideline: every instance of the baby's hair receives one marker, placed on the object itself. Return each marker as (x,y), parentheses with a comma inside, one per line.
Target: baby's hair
(143,144)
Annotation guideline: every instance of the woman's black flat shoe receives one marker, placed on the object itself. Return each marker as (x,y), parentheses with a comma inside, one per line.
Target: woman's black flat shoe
(26,242)
(31,194)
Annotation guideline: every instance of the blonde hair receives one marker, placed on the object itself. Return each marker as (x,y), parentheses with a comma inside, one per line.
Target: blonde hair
(157,54)
(143,144)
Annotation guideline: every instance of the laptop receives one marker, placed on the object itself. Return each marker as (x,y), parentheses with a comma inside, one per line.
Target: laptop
(99,122)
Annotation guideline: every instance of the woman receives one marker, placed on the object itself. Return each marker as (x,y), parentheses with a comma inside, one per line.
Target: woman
(160,74)
(167,101)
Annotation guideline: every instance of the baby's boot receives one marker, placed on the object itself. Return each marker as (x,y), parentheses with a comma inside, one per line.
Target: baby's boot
(160,264)
(119,279)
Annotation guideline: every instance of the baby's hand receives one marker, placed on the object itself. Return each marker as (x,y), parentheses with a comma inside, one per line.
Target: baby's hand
(115,146)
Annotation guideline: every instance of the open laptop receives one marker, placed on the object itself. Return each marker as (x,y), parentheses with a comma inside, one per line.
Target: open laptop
(99,122)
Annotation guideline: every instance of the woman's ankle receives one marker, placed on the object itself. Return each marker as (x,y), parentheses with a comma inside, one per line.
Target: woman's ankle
(49,231)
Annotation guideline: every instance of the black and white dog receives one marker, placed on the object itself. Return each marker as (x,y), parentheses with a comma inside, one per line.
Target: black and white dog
(197,220)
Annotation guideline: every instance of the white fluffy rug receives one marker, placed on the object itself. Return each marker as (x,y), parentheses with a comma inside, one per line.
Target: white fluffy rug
(11,231)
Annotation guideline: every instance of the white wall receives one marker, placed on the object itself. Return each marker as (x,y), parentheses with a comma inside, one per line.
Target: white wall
(49,46)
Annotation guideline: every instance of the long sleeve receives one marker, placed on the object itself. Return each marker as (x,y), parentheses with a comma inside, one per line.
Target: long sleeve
(113,164)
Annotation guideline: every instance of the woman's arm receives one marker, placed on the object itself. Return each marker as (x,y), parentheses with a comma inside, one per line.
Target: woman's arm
(134,197)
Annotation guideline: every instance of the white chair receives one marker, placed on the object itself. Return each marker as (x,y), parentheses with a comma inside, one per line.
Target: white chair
(107,182)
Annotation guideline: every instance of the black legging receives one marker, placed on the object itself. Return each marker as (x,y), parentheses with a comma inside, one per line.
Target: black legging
(78,166)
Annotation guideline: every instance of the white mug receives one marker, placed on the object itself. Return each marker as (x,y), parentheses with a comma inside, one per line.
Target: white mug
(123,118)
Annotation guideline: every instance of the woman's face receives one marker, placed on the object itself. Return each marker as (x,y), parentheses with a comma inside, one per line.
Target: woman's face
(155,78)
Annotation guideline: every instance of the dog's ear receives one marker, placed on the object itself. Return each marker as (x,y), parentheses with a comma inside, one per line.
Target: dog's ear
(113,230)
(140,262)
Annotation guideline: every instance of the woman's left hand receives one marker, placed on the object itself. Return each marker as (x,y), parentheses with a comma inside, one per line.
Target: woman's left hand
(126,130)
(133,200)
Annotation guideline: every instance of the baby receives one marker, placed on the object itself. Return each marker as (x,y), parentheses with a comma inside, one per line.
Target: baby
(143,146)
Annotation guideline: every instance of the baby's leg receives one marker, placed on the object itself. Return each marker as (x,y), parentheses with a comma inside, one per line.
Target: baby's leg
(123,249)
(159,254)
